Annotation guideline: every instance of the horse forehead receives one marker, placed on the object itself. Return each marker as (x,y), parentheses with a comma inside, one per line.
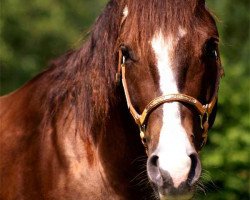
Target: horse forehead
(164,45)
(171,38)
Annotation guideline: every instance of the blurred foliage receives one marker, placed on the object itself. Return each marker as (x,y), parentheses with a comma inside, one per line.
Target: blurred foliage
(33,32)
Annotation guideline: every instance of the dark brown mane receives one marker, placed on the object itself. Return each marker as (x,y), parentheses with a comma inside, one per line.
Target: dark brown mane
(84,78)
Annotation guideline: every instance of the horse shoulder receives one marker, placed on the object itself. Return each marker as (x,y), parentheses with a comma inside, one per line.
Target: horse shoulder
(18,132)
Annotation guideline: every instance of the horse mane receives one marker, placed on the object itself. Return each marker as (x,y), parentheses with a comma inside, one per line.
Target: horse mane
(84,79)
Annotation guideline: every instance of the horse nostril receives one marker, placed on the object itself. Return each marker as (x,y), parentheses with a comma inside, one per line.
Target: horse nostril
(154,161)
(153,170)
(195,169)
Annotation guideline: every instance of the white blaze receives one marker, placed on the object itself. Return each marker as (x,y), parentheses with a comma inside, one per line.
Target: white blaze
(125,11)
(182,32)
(173,144)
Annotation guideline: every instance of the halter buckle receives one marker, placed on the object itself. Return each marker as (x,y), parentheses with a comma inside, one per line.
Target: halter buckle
(142,135)
(205,114)
(118,78)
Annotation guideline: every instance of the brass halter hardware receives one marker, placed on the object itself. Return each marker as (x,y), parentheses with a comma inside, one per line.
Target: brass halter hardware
(140,119)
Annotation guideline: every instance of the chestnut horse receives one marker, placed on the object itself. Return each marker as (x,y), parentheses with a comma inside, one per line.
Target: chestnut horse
(72,131)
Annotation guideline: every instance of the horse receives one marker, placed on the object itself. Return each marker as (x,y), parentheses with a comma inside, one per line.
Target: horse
(124,116)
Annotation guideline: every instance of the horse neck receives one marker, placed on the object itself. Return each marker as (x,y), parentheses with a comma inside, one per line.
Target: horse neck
(113,144)
(121,134)
(121,153)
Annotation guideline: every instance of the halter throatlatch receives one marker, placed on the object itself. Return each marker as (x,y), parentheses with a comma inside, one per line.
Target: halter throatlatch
(140,119)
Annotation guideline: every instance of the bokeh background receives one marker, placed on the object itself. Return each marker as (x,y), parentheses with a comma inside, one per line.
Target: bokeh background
(36,31)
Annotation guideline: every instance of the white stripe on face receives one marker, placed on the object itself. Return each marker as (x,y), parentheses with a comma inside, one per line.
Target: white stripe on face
(174,147)
(125,11)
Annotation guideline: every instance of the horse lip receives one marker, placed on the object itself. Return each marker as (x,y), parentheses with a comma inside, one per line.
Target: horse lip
(167,192)
(175,193)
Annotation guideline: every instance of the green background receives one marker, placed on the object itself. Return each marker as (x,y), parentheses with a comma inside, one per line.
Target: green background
(34,32)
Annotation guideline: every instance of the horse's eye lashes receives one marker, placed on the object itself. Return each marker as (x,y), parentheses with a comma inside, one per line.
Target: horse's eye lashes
(128,53)
(125,52)
(211,49)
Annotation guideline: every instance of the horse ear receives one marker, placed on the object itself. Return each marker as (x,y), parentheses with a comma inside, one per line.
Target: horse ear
(199,4)
(202,2)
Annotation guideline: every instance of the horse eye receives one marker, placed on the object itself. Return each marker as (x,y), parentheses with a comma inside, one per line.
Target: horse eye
(125,52)
(128,53)
(212,54)
(211,50)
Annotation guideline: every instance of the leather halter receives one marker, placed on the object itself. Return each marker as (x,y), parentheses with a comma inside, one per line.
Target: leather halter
(140,119)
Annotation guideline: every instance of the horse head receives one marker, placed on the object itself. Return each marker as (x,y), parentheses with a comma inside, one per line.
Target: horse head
(170,69)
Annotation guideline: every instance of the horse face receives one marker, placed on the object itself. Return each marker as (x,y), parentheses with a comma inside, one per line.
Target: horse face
(184,60)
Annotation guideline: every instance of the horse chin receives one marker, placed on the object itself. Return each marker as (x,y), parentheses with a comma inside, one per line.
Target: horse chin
(169,194)
(177,197)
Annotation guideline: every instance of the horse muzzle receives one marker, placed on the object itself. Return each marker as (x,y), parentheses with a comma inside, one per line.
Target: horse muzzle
(174,181)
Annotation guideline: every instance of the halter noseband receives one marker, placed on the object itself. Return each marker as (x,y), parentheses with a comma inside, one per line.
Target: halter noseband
(140,119)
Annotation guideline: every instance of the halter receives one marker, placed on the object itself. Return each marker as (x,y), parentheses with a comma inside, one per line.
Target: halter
(141,119)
